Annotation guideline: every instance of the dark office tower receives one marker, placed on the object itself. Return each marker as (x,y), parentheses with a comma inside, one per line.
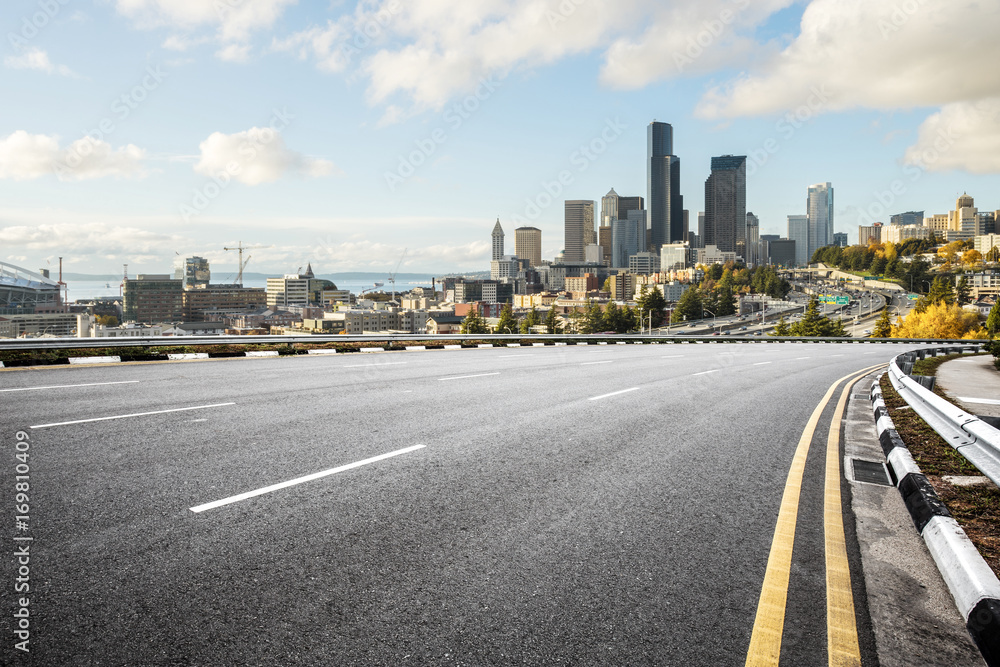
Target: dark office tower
(579,217)
(726,203)
(626,204)
(663,184)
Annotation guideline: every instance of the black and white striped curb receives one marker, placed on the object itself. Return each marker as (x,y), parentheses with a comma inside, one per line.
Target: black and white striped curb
(970,580)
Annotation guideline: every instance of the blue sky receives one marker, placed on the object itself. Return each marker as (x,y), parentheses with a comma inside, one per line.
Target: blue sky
(342,133)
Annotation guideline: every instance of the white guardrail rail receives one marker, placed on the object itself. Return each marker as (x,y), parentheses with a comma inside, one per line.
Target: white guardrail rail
(973,438)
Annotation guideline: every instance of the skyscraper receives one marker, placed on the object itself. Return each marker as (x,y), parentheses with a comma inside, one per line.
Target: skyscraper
(753,253)
(726,203)
(528,245)
(609,207)
(579,218)
(798,231)
(819,209)
(628,237)
(497,241)
(663,184)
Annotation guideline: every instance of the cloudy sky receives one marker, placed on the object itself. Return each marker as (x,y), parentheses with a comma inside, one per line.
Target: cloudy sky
(343,133)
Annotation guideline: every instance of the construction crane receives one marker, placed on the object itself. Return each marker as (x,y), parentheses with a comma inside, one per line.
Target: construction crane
(240,247)
(392,276)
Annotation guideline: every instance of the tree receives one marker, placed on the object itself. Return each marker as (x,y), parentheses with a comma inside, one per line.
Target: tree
(963,294)
(532,319)
(552,325)
(993,321)
(107,320)
(939,320)
(725,299)
(971,257)
(883,327)
(629,320)
(507,322)
(689,306)
(593,319)
(473,323)
(781,328)
(815,324)
(651,301)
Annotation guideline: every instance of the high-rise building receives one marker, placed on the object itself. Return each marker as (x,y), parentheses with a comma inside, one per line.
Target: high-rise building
(726,203)
(626,204)
(604,240)
(908,218)
(528,245)
(753,250)
(609,208)
(840,239)
(497,241)
(781,252)
(798,231)
(628,237)
(196,272)
(663,184)
(153,299)
(819,209)
(866,233)
(579,217)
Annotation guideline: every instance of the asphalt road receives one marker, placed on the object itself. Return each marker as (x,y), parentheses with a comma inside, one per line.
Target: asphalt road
(568,506)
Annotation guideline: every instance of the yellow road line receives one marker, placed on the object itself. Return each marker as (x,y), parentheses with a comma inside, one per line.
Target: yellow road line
(765,640)
(841,623)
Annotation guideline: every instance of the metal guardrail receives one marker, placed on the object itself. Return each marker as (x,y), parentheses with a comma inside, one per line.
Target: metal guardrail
(973,438)
(29,344)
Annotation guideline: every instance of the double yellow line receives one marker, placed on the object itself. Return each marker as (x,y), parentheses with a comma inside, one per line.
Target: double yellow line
(842,632)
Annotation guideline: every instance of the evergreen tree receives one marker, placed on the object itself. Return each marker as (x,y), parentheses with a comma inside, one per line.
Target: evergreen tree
(689,306)
(883,327)
(552,324)
(592,320)
(629,319)
(473,323)
(651,301)
(963,292)
(612,318)
(724,297)
(781,328)
(530,320)
(993,321)
(507,322)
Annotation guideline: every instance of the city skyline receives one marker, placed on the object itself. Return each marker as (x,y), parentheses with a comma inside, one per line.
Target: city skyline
(363,151)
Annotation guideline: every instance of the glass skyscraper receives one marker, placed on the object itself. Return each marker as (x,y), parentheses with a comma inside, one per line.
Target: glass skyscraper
(819,209)
(726,204)
(663,184)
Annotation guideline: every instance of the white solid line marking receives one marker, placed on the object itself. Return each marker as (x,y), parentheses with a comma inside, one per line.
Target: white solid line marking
(462,377)
(987,401)
(761,363)
(614,393)
(66,386)
(590,363)
(300,480)
(707,372)
(137,414)
(384,363)
(800,358)
(672,356)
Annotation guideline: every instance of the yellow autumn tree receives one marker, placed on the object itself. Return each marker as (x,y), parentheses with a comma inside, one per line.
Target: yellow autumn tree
(940,320)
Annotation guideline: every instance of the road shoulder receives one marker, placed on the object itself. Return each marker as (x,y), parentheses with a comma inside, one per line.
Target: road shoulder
(914,618)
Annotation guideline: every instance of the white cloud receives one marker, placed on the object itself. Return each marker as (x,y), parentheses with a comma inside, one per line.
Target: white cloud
(93,238)
(234,53)
(962,136)
(26,156)
(38,60)
(234,21)
(258,155)
(881,54)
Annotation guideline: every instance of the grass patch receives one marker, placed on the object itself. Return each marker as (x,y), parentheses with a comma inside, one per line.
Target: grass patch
(977,509)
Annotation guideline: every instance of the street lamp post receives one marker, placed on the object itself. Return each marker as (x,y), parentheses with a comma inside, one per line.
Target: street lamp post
(714,318)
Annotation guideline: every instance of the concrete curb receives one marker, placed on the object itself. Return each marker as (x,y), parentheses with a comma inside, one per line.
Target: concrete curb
(973,585)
